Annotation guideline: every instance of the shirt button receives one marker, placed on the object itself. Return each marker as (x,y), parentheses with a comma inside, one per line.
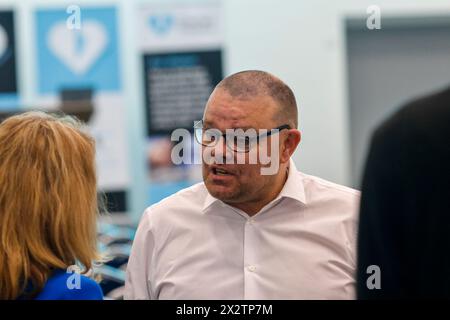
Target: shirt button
(251,268)
(250,221)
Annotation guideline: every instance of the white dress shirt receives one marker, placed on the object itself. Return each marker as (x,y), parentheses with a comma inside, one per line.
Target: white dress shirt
(299,246)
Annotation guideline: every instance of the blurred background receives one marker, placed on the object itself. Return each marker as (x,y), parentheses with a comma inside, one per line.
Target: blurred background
(137,70)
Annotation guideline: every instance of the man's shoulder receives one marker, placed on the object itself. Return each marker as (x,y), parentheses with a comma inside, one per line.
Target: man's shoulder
(319,189)
(331,205)
(188,199)
(320,184)
(194,194)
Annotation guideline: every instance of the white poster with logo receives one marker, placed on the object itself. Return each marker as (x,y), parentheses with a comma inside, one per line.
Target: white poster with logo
(172,27)
(181,45)
(77,54)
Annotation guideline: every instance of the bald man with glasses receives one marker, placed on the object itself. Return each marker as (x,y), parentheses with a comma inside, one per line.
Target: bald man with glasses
(248,231)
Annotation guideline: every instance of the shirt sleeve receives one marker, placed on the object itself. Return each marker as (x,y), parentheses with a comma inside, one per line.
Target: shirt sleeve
(137,284)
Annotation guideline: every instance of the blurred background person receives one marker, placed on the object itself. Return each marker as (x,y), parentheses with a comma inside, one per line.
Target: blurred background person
(48,208)
(404,225)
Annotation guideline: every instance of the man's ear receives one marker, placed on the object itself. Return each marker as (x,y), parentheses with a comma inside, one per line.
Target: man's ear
(293,138)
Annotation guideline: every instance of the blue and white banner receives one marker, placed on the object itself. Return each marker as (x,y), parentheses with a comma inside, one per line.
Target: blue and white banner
(78,51)
(84,56)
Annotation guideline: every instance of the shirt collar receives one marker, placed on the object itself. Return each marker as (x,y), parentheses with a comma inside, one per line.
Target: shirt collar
(293,188)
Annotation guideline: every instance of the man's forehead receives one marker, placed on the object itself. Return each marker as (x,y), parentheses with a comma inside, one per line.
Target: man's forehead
(224,112)
(238,113)
(229,120)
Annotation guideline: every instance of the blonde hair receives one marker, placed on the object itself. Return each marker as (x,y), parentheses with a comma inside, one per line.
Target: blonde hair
(48,200)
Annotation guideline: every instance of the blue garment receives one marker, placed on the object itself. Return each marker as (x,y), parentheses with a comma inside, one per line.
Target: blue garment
(58,288)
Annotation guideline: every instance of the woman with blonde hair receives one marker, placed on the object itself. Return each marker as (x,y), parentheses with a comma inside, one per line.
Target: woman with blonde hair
(48,208)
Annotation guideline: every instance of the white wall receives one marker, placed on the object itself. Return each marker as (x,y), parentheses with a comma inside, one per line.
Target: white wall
(302,42)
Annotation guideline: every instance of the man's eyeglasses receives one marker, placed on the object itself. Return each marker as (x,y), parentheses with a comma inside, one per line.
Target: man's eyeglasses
(237,140)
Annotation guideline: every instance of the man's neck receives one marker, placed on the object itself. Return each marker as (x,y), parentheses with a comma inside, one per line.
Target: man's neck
(252,208)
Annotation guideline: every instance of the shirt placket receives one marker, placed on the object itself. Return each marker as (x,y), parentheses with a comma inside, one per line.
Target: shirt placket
(251,266)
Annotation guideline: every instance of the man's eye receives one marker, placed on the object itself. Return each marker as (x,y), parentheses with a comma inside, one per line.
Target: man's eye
(209,136)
